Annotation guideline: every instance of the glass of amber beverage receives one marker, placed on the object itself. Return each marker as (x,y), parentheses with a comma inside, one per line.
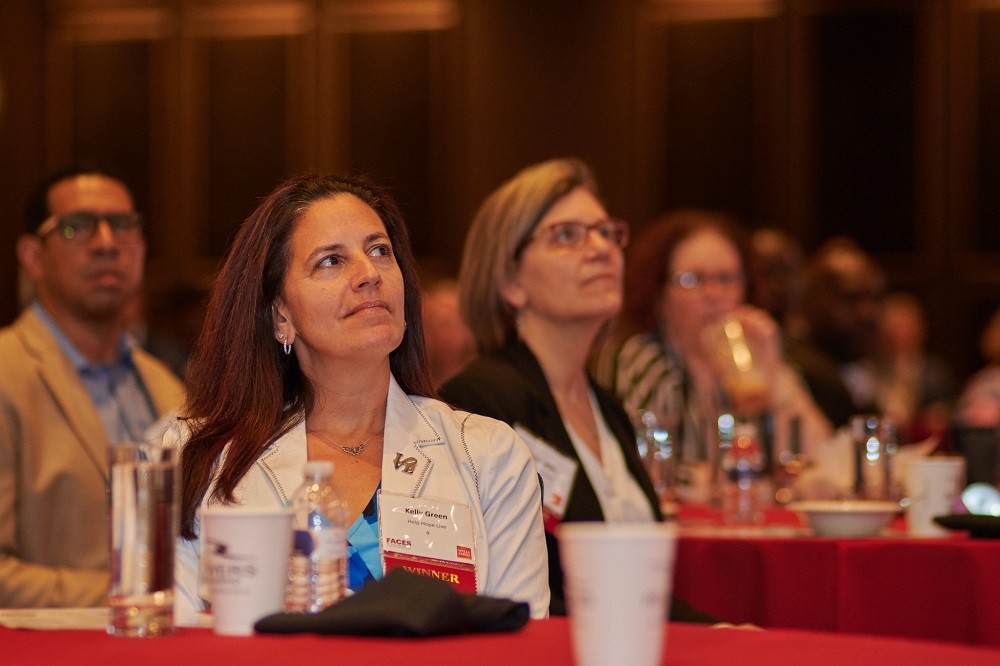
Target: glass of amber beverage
(735,359)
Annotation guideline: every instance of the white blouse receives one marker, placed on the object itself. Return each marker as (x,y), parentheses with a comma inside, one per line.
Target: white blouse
(621,498)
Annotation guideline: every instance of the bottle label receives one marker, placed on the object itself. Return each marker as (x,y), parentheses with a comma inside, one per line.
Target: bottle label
(329,541)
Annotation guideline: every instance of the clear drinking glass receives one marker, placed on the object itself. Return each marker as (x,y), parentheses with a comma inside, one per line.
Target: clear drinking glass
(656,449)
(875,447)
(144,516)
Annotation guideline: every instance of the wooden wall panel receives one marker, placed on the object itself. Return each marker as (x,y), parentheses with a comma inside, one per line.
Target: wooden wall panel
(865,111)
(390,126)
(110,112)
(818,116)
(245,127)
(711,113)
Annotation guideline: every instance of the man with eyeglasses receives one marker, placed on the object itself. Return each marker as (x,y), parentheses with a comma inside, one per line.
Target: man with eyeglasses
(72,383)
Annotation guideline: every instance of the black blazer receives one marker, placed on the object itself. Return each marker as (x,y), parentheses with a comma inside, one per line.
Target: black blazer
(509,385)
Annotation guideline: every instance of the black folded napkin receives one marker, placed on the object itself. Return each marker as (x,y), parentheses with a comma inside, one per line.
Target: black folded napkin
(404,604)
(978,526)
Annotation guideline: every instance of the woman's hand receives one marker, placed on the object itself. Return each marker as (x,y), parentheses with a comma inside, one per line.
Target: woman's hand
(749,386)
(763,335)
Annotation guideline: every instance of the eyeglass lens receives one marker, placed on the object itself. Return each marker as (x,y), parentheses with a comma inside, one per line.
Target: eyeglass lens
(692,279)
(573,233)
(81,225)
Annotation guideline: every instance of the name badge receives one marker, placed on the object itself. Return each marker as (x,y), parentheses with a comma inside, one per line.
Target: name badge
(428,537)
(557,471)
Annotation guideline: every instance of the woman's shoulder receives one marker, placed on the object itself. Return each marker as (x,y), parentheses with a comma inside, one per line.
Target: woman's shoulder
(490,385)
(178,431)
(454,416)
(463,426)
(490,369)
(637,362)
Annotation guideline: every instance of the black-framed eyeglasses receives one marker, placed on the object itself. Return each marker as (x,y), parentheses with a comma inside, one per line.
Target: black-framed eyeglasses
(694,279)
(572,234)
(80,226)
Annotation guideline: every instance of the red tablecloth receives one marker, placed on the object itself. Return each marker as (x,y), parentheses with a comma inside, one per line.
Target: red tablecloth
(942,589)
(541,642)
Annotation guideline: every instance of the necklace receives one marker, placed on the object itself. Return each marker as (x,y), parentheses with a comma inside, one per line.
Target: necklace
(349,450)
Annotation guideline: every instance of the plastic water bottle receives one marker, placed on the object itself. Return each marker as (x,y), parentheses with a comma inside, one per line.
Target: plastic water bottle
(317,567)
(743,476)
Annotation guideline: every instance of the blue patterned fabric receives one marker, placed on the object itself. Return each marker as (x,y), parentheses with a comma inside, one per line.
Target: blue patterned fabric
(364,561)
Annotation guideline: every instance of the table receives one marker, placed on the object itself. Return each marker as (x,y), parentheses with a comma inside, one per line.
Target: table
(942,589)
(541,642)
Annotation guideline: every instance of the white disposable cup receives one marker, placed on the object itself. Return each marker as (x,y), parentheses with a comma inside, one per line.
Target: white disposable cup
(618,580)
(933,484)
(245,561)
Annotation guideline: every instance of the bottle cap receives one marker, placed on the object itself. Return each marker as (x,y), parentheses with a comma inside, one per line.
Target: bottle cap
(320,468)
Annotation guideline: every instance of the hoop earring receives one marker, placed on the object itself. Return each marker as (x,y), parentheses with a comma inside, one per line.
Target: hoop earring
(285,346)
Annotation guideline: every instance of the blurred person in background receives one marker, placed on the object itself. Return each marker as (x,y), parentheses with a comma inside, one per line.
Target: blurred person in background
(685,272)
(842,308)
(776,273)
(447,338)
(541,278)
(913,388)
(979,404)
(175,316)
(72,383)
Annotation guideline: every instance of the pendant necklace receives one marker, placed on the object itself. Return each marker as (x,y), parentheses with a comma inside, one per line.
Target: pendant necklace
(349,450)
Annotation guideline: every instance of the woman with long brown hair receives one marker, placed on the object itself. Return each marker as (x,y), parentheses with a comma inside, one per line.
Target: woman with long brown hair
(312,350)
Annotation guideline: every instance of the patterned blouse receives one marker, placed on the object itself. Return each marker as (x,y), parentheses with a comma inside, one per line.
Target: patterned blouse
(364,561)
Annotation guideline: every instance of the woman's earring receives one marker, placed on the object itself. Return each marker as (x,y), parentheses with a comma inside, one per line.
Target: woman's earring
(286,346)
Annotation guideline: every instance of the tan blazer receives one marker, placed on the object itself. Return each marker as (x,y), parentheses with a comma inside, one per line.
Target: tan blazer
(54,470)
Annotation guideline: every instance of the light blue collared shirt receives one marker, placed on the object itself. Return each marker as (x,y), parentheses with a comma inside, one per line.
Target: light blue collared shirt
(115,388)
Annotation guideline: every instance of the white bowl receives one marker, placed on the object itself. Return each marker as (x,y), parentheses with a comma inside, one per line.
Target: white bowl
(846,518)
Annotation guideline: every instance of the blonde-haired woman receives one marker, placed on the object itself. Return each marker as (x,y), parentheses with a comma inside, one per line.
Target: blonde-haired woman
(541,277)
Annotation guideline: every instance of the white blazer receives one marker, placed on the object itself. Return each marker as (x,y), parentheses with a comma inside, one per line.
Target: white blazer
(464,458)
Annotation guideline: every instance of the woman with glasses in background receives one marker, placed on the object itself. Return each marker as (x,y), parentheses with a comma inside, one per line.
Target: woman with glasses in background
(685,272)
(541,277)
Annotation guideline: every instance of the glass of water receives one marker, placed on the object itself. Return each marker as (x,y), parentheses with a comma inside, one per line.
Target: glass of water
(656,449)
(875,448)
(144,513)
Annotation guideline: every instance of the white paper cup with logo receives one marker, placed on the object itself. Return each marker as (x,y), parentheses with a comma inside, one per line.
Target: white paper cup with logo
(618,580)
(244,556)
(933,485)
